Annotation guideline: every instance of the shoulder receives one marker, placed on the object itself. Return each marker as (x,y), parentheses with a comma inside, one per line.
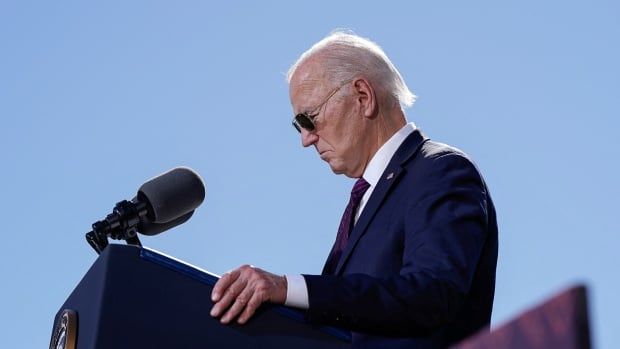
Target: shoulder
(440,168)
(435,156)
(432,150)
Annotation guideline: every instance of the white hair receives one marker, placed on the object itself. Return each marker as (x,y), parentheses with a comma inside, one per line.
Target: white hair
(345,55)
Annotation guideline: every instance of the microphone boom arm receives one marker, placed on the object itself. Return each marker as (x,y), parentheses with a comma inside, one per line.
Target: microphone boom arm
(121,224)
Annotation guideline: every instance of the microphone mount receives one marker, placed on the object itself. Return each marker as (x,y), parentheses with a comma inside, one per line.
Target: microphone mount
(121,224)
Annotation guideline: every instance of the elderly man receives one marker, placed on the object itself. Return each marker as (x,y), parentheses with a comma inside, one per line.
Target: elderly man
(413,265)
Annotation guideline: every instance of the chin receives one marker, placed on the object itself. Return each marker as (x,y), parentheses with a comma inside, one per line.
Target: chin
(336,168)
(339,169)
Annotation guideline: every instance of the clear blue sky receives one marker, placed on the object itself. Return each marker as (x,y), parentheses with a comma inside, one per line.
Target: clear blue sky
(95,98)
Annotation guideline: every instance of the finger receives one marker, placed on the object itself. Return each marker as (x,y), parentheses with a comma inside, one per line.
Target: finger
(230,294)
(223,283)
(238,306)
(250,308)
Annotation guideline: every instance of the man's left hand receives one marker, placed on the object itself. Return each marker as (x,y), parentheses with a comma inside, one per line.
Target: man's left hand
(238,293)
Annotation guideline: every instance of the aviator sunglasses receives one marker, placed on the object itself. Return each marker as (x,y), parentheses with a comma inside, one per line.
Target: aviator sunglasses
(305,120)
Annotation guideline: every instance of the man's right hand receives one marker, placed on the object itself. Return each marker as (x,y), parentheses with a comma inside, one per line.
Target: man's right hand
(238,293)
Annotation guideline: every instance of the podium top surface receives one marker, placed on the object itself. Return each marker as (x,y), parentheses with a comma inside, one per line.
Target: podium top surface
(208,278)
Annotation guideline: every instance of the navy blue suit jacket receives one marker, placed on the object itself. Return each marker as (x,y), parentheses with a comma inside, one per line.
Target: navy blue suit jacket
(419,267)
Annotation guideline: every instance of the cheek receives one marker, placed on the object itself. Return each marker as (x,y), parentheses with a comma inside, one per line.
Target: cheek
(347,146)
(343,132)
(351,137)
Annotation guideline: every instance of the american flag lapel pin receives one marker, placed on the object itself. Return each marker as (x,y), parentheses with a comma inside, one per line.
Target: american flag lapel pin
(390,176)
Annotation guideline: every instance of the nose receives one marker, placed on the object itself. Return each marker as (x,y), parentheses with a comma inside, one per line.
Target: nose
(308,138)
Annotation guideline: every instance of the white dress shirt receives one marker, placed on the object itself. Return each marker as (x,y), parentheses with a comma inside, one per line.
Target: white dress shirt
(297,291)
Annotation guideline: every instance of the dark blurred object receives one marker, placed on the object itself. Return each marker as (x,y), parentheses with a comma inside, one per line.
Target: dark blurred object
(561,322)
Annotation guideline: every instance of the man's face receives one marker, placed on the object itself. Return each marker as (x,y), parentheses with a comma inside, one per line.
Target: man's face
(337,136)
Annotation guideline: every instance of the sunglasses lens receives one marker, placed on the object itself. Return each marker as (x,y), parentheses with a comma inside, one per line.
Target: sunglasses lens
(302,121)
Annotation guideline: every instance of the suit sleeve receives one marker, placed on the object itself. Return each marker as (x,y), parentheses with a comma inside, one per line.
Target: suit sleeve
(445,230)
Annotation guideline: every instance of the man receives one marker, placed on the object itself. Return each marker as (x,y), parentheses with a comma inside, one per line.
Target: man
(413,265)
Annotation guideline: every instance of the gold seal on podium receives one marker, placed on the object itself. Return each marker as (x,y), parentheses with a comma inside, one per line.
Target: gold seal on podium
(65,331)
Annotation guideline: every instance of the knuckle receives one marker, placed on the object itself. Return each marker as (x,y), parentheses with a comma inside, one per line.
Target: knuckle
(262,285)
(259,295)
(230,296)
(249,310)
(264,296)
(234,310)
(254,303)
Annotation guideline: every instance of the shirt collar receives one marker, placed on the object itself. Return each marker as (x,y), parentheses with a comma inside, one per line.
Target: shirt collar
(382,157)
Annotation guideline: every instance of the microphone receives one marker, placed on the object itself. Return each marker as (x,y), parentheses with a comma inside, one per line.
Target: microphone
(171,194)
(162,203)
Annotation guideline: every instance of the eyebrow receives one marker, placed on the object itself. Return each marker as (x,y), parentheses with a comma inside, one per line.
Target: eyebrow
(306,110)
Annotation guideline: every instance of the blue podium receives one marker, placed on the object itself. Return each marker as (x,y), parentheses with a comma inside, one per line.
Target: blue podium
(134,297)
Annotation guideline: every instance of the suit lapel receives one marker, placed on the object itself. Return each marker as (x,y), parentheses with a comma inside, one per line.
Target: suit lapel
(388,180)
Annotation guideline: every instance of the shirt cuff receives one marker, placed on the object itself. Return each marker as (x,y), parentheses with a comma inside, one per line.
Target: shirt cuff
(296,292)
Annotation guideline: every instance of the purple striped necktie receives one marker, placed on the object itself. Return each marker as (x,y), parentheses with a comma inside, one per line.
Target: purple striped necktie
(346,225)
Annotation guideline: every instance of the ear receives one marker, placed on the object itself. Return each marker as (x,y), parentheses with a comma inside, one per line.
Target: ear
(366,98)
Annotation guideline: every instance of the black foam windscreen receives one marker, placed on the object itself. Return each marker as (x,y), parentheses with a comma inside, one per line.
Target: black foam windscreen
(147,228)
(172,195)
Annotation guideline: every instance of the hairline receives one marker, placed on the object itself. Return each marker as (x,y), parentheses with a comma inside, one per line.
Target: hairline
(346,55)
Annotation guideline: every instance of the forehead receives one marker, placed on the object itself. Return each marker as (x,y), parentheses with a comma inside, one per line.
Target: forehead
(308,85)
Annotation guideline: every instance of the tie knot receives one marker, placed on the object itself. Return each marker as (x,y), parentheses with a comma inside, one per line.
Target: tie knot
(359,188)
